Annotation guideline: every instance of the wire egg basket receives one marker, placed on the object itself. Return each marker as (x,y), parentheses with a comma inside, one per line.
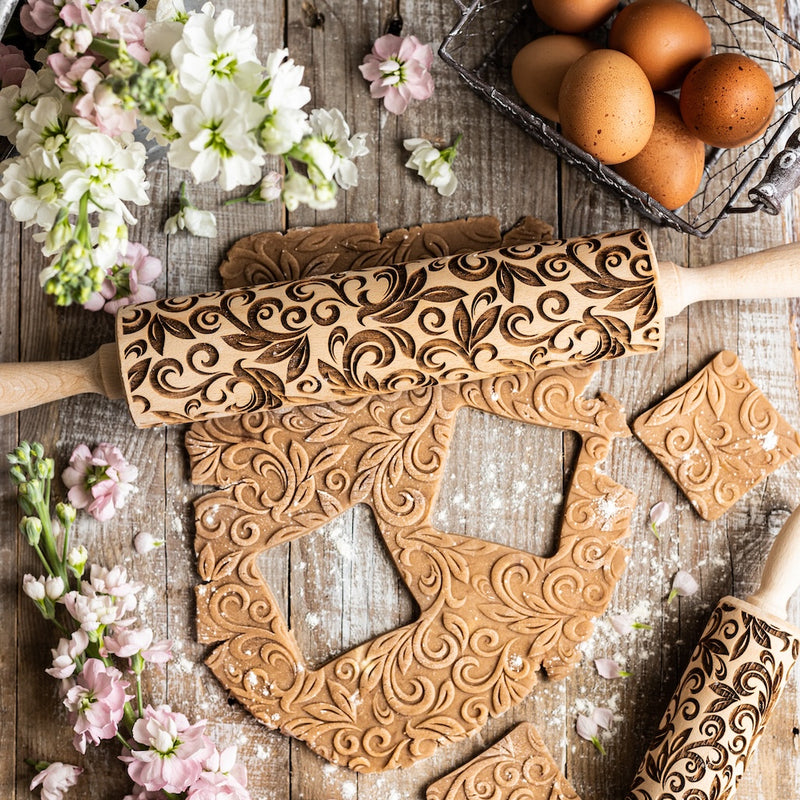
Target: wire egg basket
(489,34)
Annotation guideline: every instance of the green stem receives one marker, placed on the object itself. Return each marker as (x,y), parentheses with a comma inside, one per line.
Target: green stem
(139,698)
(107,48)
(124,741)
(39,553)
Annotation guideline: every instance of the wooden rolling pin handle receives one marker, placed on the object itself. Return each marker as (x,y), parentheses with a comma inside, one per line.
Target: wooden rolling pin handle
(781,575)
(28,385)
(765,274)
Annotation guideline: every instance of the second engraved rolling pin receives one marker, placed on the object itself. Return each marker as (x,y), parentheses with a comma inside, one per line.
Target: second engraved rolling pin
(444,320)
(729,689)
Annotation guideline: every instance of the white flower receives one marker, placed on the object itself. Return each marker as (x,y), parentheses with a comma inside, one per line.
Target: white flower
(47,125)
(299,189)
(195,220)
(285,123)
(17,101)
(145,543)
(215,138)
(216,50)
(113,174)
(433,165)
(32,186)
(330,126)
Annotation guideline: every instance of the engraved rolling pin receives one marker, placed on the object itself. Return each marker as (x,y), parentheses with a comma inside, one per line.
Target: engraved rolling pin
(727,693)
(449,319)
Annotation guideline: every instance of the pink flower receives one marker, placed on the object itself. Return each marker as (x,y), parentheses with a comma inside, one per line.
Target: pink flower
(99,480)
(127,282)
(65,655)
(101,106)
(127,642)
(13,65)
(175,754)
(38,16)
(683,585)
(222,778)
(158,653)
(69,73)
(96,703)
(216,786)
(55,779)
(398,69)
(112,581)
(589,727)
(609,668)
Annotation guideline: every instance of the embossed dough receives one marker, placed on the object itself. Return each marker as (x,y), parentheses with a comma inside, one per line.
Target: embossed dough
(518,767)
(717,436)
(490,616)
(390,328)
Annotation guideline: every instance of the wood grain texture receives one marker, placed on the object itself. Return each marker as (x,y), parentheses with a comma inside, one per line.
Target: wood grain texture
(515,499)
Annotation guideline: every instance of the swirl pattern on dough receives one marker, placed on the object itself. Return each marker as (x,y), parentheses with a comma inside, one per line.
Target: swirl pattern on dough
(518,767)
(326,337)
(491,616)
(718,712)
(717,436)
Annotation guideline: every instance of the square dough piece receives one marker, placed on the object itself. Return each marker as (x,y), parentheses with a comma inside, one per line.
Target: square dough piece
(717,436)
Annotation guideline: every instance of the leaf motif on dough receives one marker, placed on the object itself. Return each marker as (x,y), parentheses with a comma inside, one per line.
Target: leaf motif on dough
(405,656)
(304,493)
(327,458)
(362,486)
(457,564)
(344,700)
(717,394)
(330,505)
(694,394)
(298,458)
(226,565)
(327,431)
(664,412)
(205,562)
(457,626)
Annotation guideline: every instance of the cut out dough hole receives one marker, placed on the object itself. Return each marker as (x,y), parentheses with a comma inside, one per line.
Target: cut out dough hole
(514,493)
(338,586)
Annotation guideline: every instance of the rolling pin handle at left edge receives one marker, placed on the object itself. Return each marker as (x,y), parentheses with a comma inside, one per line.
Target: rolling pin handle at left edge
(29,385)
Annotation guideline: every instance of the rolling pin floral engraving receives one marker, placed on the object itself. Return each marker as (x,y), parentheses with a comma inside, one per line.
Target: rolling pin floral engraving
(726,695)
(392,328)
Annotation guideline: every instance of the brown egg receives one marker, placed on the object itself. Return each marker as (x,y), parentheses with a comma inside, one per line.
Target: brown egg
(670,166)
(727,100)
(539,68)
(574,16)
(666,38)
(606,106)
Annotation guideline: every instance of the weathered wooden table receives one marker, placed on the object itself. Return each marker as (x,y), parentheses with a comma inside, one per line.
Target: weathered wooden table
(504,481)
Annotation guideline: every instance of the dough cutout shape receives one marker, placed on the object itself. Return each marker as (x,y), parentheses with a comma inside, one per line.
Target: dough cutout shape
(717,436)
(518,767)
(491,617)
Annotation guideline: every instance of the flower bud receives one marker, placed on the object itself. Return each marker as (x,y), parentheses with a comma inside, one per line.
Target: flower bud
(31,529)
(54,587)
(76,560)
(34,588)
(65,512)
(17,475)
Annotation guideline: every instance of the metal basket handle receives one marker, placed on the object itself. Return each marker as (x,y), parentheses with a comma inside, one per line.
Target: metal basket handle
(781,179)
